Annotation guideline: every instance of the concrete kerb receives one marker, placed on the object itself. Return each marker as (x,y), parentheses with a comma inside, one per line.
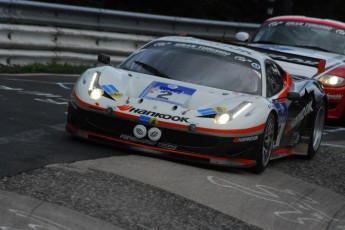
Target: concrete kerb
(21,212)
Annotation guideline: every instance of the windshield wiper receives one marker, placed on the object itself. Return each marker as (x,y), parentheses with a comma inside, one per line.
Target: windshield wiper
(315,48)
(151,69)
(267,42)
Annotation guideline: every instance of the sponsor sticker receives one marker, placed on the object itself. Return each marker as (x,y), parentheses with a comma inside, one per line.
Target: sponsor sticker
(109,88)
(207,49)
(124,107)
(160,44)
(335,96)
(309,25)
(116,94)
(275,24)
(149,120)
(245,139)
(242,59)
(282,110)
(256,66)
(214,110)
(150,117)
(162,145)
(341,32)
(169,93)
(305,111)
(112,91)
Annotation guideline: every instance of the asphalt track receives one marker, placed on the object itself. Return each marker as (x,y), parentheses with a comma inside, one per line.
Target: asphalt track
(32,118)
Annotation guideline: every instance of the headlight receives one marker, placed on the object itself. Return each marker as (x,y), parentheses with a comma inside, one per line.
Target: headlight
(332,80)
(223,118)
(95,90)
(96,93)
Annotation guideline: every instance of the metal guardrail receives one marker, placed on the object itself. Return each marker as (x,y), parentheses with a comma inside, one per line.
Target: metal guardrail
(74,33)
(25,44)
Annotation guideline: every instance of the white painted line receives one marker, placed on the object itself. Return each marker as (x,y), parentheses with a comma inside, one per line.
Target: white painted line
(270,201)
(333,145)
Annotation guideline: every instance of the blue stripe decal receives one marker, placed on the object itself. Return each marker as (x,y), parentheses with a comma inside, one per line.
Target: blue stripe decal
(145,119)
(106,88)
(113,88)
(206,111)
(109,88)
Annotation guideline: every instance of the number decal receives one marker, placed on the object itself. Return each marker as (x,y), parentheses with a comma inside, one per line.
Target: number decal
(164,94)
(169,93)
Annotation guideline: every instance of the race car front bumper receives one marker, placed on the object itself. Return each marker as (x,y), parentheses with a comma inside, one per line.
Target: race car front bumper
(100,126)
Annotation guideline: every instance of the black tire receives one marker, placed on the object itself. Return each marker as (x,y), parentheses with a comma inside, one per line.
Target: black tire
(318,122)
(266,145)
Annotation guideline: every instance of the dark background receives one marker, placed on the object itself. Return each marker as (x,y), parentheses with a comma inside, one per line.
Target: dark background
(254,11)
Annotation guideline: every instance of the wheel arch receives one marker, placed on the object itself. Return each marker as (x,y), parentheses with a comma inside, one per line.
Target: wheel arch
(275,115)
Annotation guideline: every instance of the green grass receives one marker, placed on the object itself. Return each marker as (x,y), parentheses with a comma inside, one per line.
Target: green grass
(44,68)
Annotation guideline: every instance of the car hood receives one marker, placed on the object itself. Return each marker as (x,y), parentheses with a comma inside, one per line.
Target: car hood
(166,93)
(332,59)
(145,97)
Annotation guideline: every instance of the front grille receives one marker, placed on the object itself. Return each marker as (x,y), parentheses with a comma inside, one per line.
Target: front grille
(114,126)
(108,124)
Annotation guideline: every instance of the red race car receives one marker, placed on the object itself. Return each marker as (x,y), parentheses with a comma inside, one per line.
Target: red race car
(313,37)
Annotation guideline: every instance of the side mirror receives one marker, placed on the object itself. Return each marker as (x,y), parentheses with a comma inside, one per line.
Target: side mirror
(242,36)
(293,96)
(103,58)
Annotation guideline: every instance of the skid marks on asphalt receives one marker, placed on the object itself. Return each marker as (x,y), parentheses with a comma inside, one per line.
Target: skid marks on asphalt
(293,206)
(333,129)
(34,135)
(32,221)
(39,96)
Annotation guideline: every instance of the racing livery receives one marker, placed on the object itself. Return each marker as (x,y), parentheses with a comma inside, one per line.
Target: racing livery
(202,101)
(314,38)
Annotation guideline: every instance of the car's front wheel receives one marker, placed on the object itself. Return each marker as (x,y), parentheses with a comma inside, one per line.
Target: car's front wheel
(266,145)
(317,129)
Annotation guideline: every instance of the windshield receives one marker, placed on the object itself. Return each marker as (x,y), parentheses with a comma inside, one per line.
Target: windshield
(302,34)
(198,64)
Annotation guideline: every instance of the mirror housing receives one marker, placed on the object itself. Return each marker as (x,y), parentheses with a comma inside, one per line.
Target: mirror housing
(293,96)
(242,36)
(103,58)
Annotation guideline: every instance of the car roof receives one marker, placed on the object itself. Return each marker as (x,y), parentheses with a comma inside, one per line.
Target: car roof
(227,47)
(309,19)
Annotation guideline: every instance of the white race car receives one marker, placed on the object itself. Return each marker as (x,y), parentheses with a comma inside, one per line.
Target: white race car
(200,100)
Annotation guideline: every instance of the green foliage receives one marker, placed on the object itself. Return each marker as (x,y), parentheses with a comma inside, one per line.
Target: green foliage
(44,68)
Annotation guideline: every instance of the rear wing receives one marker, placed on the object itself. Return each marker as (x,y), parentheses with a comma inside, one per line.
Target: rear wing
(320,64)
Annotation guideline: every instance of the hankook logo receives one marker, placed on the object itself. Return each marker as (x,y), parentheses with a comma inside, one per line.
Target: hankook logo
(153,114)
